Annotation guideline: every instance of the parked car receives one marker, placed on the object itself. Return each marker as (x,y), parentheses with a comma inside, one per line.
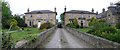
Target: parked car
(59,25)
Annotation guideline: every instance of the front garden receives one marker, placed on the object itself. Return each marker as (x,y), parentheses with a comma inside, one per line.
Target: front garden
(11,37)
(100,28)
(27,34)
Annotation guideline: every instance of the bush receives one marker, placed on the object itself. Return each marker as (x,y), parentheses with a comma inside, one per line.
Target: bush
(46,25)
(35,26)
(110,29)
(114,37)
(24,25)
(118,25)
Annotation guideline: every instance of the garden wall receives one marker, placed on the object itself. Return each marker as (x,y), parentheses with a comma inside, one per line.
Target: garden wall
(40,40)
(93,40)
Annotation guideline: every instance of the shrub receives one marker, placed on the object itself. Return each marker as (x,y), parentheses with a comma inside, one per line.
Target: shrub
(73,24)
(24,25)
(114,37)
(110,29)
(35,26)
(118,25)
(46,25)
(7,40)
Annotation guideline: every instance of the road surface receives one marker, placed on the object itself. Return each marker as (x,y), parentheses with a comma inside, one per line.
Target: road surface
(64,39)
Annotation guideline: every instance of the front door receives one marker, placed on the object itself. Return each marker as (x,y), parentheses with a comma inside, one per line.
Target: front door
(39,24)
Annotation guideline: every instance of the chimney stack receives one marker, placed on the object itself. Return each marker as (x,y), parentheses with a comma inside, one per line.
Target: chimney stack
(103,10)
(92,10)
(28,10)
(97,12)
(55,9)
(65,9)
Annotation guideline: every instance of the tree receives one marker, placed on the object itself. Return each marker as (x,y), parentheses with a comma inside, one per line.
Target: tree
(21,22)
(62,17)
(6,14)
(93,21)
(75,23)
(13,24)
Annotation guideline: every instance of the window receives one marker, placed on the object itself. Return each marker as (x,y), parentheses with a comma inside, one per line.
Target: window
(109,15)
(89,16)
(31,16)
(71,16)
(39,21)
(39,16)
(44,19)
(51,19)
(79,18)
(82,16)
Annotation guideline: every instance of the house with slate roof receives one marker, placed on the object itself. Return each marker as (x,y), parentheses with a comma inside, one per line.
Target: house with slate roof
(112,15)
(82,16)
(39,17)
(102,15)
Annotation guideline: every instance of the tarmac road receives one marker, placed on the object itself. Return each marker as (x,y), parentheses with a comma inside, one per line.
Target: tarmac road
(64,39)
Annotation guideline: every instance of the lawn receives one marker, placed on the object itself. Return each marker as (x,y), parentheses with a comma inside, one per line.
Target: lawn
(83,29)
(27,33)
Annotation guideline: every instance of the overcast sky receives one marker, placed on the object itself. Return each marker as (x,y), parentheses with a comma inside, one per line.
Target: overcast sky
(21,6)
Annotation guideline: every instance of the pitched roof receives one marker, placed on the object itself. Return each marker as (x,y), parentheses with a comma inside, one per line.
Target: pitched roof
(40,12)
(80,12)
(114,9)
(102,15)
(118,3)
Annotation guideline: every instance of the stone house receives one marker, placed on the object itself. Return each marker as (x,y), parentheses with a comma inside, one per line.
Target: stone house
(83,17)
(112,15)
(38,17)
(102,15)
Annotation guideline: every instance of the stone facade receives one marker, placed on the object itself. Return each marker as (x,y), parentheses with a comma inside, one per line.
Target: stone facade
(112,15)
(42,16)
(81,16)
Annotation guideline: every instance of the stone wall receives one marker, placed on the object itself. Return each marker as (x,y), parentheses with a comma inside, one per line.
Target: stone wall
(97,42)
(41,39)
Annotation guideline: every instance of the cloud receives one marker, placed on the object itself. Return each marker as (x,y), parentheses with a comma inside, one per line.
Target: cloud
(21,6)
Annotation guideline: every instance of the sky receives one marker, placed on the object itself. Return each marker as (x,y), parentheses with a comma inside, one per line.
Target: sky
(21,6)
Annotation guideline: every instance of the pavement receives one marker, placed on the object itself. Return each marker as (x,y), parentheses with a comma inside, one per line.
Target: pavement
(64,39)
